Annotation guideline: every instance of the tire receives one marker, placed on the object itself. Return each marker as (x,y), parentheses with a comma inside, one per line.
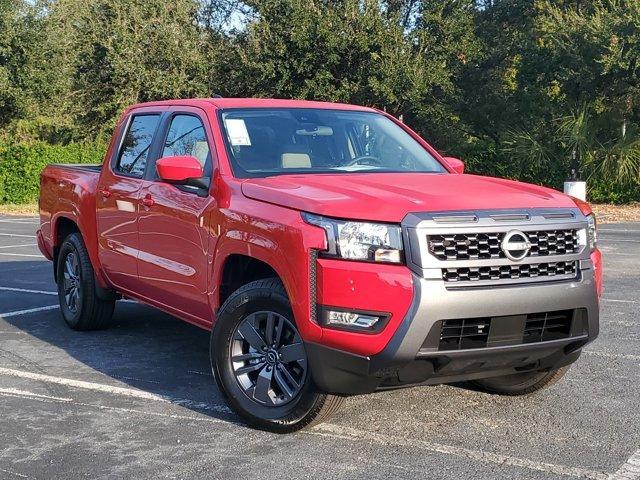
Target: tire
(265,398)
(521,383)
(80,304)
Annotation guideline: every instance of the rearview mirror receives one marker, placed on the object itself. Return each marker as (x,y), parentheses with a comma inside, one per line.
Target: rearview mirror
(456,164)
(179,169)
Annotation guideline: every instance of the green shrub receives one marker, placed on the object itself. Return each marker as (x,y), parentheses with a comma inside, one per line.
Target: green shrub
(21,164)
(599,191)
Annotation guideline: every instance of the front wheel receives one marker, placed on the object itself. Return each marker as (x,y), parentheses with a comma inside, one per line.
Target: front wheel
(260,363)
(521,383)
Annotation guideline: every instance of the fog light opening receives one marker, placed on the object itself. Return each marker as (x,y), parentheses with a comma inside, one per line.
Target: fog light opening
(366,322)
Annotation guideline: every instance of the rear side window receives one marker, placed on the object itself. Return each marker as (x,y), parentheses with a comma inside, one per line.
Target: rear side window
(186,137)
(136,144)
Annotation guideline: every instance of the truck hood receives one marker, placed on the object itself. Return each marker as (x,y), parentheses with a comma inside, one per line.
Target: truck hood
(388,197)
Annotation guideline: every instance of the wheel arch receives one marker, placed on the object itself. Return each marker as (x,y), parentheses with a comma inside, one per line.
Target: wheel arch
(65,224)
(238,269)
(62,227)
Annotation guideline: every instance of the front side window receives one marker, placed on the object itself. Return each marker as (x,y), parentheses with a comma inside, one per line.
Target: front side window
(136,144)
(187,137)
(264,142)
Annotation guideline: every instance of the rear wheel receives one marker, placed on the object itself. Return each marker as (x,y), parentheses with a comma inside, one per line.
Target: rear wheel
(521,383)
(81,306)
(260,363)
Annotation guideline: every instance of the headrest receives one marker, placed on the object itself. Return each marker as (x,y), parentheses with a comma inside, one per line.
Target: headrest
(295,160)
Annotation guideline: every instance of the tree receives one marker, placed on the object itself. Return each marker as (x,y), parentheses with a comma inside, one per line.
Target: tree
(121,52)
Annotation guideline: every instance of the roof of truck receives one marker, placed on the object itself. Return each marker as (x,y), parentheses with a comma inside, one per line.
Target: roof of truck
(224,103)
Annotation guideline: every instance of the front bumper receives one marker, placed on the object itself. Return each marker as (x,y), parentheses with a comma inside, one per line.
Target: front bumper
(412,357)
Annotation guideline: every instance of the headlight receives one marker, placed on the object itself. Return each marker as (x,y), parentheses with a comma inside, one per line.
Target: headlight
(589,236)
(374,242)
(592,231)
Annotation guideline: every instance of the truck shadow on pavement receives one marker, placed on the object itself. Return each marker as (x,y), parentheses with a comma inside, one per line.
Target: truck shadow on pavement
(144,348)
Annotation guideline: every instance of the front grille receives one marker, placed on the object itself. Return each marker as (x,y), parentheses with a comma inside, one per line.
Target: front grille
(542,327)
(509,272)
(483,246)
(464,333)
(482,332)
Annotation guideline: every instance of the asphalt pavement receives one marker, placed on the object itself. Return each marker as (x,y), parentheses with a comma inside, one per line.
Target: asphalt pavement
(138,400)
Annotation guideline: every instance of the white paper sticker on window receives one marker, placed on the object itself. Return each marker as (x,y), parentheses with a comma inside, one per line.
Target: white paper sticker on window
(237,131)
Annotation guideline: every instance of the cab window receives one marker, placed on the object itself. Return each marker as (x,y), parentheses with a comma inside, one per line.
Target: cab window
(186,136)
(134,151)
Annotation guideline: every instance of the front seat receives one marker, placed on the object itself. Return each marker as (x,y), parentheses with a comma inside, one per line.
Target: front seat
(295,156)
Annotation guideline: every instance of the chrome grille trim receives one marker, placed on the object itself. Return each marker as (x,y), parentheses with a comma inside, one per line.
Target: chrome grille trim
(509,272)
(479,246)
(554,234)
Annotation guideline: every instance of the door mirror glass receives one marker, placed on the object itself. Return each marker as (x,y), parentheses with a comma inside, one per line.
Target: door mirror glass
(456,164)
(179,169)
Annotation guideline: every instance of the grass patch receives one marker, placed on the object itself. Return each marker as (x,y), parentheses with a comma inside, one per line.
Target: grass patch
(25,209)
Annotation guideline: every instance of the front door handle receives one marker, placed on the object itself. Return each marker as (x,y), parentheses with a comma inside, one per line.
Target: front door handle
(104,191)
(147,201)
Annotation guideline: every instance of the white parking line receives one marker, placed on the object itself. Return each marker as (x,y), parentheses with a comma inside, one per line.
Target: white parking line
(33,396)
(100,387)
(30,310)
(15,474)
(15,391)
(23,221)
(351,434)
(18,246)
(27,290)
(20,255)
(16,235)
(329,430)
(630,470)
(615,300)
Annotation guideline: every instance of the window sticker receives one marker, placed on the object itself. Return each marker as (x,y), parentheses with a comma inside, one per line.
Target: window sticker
(237,131)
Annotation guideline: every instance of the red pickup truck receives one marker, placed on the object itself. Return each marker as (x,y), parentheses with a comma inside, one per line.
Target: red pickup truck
(330,250)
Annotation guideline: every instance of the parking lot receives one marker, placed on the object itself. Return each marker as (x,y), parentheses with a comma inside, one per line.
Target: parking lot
(138,400)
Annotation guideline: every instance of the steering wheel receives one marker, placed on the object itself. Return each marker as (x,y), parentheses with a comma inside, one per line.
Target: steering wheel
(365,160)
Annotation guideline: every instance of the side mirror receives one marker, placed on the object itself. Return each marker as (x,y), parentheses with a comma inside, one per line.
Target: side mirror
(179,169)
(456,164)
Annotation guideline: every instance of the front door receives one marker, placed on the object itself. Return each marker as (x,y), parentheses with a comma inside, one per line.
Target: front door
(173,225)
(117,200)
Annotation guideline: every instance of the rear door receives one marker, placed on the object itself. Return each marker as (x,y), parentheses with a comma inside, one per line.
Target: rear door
(118,196)
(173,223)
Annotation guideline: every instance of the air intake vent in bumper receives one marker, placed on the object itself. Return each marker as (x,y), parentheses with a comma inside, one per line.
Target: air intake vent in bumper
(482,332)
(464,333)
(542,327)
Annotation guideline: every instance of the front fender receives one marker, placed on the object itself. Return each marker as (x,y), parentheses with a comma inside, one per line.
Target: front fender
(285,246)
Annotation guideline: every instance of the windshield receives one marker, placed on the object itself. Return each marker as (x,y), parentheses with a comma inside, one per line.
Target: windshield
(263,142)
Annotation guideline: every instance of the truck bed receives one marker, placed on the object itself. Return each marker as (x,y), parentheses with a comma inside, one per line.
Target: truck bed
(89,167)
(68,190)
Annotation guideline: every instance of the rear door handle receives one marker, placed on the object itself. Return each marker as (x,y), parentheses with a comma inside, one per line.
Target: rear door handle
(104,191)
(147,201)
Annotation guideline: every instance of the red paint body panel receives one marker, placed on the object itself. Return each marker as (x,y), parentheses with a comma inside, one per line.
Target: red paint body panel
(179,168)
(173,249)
(596,258)
(274,235)
(389,197)
(350,285)
(152,241)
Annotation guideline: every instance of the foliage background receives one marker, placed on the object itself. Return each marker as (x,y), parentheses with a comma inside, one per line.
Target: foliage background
(517,88)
